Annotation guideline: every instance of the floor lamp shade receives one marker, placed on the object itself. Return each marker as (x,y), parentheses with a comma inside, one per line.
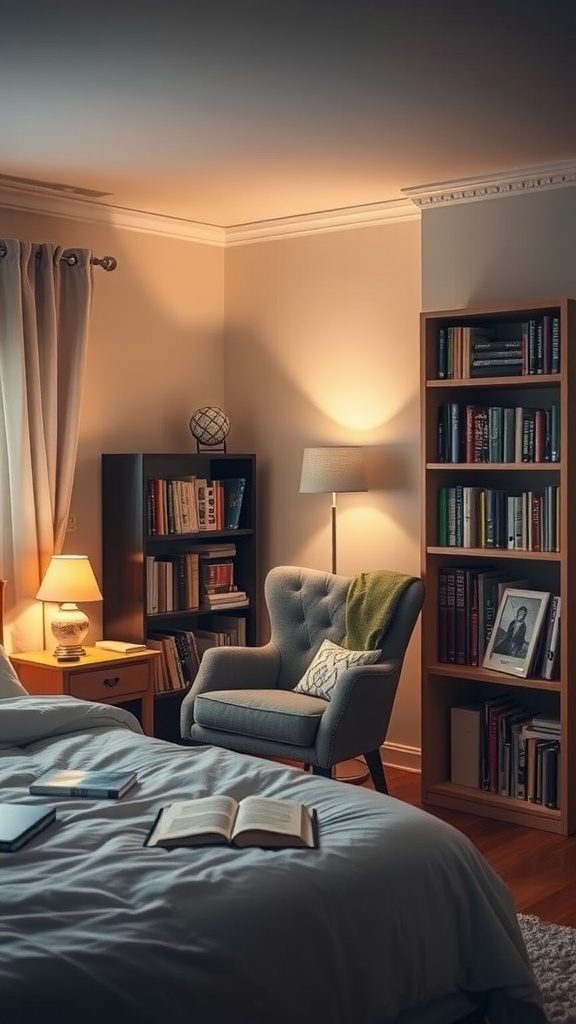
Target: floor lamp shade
(333,470)
(69,579)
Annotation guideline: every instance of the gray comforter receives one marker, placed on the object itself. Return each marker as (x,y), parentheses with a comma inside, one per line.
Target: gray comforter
(395,913)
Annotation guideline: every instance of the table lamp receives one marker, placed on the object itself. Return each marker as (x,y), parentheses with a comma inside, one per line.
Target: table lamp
(69,579)
(332,470)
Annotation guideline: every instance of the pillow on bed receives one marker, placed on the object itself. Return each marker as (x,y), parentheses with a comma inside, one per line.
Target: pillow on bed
(10,685)
(327,667)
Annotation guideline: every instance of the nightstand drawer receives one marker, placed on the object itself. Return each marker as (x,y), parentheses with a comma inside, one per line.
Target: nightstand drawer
(112,682)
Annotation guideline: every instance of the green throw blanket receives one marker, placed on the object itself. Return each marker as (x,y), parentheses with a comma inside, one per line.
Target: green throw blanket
(370,603)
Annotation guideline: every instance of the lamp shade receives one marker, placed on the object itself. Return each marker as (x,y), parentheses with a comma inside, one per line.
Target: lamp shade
(332,469)
(69,578)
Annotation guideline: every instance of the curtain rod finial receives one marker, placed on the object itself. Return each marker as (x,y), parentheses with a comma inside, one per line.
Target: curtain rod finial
(106,262)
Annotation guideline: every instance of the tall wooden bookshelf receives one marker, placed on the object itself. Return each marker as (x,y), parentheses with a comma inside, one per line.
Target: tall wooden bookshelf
(447,685)
(128,542)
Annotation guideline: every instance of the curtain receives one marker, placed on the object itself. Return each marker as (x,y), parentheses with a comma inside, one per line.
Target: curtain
(45,300)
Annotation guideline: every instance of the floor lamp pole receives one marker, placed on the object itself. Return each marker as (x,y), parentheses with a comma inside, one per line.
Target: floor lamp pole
(333,510)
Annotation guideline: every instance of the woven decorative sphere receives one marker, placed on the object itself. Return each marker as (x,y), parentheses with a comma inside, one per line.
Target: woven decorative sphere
(210,425)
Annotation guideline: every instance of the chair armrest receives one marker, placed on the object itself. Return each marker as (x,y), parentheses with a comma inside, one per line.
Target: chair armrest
(231,668)
(356,719)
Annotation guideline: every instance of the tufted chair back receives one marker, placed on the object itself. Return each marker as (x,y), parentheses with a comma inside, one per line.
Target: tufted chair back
(306,606)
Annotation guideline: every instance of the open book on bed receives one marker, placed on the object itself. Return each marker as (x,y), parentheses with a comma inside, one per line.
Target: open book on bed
(254,821)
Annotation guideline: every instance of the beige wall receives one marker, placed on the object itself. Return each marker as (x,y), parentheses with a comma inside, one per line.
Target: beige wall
(321,347)
(520,248)
(155,353)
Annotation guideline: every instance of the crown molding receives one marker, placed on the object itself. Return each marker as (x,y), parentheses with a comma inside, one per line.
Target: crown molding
(36,200)
(371,215)
(493,186)
(42,201)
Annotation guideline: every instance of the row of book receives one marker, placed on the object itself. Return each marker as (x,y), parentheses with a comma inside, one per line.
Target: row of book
(469,433)
(499,746)
(470,602)
(192,504)
(487,517)
(198,577)
(498,350)
(181,650)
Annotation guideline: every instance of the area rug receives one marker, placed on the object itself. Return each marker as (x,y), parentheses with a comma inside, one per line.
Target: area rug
(552,951)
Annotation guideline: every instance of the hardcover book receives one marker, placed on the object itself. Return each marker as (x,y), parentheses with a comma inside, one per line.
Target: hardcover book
(253,821)
(19,823)
(100,784)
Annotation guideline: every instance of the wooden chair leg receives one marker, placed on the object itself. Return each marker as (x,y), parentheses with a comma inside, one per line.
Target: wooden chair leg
(374,761)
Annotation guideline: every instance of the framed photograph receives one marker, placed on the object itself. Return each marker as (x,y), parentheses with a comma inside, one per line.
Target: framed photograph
(514,638)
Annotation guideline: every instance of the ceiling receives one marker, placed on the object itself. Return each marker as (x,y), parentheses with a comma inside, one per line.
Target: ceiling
(230,112)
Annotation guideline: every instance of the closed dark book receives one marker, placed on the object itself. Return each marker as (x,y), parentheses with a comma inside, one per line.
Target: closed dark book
(451,615)
(496,345)
(473,617)
(555,345)
(442,352)
(84,783)
(551,755)
(528,426)
(443,433)
(539,348)
(443,615)
(443,501)
(546,343)
(489,706)
(460,616)
(497,368)
(531,346)
(481,436)
(471,415)
(19,823)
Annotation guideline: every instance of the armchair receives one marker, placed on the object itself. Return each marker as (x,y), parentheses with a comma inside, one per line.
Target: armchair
(244,698)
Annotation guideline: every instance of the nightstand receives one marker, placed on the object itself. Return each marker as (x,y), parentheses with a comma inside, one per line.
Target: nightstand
(99,675)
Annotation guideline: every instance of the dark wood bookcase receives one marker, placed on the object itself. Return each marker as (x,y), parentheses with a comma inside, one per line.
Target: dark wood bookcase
(448,685)
(127,542)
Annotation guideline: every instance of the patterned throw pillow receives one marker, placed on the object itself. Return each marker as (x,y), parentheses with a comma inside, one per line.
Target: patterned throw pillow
(327,667)
(10,685)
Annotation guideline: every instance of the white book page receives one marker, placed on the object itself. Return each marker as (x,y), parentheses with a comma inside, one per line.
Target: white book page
(197,817)
(264,814)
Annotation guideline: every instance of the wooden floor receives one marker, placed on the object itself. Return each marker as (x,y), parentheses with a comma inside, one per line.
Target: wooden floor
(539,867)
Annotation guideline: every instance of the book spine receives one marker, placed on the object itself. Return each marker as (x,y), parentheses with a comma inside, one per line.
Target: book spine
(443,616)
(555,345)
(460,616)
(451,615)
(442,354)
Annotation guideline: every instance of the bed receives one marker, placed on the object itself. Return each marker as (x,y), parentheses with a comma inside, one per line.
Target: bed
(395,919)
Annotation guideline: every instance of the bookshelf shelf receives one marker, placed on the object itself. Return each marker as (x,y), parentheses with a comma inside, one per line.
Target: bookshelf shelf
(447,794)
(545,496)
(487,675)
(496,553)
(130,548)
(541,380)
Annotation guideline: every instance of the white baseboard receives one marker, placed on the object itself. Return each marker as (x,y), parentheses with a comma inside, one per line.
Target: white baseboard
(396,756)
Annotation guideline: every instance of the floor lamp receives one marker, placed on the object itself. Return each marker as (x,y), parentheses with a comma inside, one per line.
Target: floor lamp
(332,470)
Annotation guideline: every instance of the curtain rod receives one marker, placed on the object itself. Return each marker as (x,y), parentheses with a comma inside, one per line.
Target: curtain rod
(107,263)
